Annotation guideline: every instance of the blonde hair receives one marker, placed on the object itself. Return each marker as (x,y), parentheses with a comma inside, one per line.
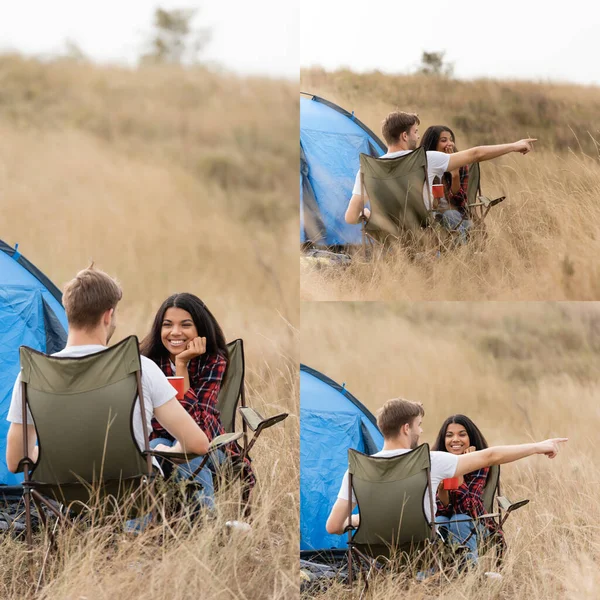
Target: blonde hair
(88,295)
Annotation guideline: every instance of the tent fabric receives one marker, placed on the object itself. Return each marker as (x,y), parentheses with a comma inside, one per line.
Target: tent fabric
(331,141)
(331,422)
(31,314)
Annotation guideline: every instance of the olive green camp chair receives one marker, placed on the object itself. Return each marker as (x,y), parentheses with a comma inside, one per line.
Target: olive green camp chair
(478,206)
(231,395)
(395,190)
(389,492)
(491,492)
(82,410)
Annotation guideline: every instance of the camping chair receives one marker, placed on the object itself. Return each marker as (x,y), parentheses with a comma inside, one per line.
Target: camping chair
(395,190)
(82,410)
(389,492)
(491,491)
(232,394)
(478,206)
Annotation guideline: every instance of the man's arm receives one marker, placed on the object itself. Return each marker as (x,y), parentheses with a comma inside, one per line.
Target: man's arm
(500,455)
(14,445)
(354,209)
(174,418)
(338,517)
(483,153)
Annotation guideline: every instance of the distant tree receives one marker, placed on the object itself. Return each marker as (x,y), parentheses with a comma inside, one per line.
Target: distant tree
(432,63)
(73,52)
(175,40)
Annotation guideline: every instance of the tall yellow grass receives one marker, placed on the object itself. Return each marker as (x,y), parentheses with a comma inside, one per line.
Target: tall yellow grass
(523,372)
(171,180)
(542,240)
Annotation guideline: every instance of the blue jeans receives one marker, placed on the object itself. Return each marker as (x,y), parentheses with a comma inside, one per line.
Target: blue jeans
(204,497)
(206,494)
(453,220)
(457,528)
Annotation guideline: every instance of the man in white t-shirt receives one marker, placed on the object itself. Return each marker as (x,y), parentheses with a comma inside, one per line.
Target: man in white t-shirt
(401,133)
(400,423)
(90,301)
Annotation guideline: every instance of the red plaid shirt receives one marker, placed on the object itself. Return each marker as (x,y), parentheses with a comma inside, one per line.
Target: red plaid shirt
(458,200)
(206,374)
(468,499)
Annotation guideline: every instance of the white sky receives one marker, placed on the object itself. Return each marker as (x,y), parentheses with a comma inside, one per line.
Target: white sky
(259,37)
(511,39)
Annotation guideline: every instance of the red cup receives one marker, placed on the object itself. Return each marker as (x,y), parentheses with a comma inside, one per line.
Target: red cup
(438,190)
(451,483)
(177,383)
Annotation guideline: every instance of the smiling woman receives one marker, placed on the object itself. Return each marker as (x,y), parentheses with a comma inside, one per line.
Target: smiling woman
(464,501)
(186,340)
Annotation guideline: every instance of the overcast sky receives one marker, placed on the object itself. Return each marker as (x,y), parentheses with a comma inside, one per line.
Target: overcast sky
(521,39)
(259,37)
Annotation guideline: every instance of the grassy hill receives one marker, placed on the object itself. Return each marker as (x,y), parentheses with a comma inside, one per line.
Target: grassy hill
(563,117)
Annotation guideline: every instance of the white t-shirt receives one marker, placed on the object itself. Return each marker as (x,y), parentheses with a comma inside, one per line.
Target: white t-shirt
(443,466)
(437,165)
(156,387)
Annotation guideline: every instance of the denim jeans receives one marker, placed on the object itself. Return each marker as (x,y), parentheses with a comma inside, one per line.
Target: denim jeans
(453,220)
(457,528)
(204,496)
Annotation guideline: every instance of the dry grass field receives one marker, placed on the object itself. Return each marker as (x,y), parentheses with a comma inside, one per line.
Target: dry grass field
(523,372)
(542,241)
(171,180)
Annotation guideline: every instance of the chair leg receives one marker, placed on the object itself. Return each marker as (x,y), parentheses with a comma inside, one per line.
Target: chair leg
(52,546)
(44,520)
(350,576)
(372,567)
(354,556)
(29,533)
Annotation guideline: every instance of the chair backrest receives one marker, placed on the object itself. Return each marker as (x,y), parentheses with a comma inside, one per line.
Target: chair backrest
(395,189)
(390,492)
(231,388)
(490,488)
(474,189)
(82,410)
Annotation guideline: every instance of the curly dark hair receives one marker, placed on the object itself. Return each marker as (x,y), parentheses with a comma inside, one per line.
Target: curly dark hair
(431,137)
(475,436)
(207,326)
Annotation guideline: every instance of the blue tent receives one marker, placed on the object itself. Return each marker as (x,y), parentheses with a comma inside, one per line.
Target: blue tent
(331,140)
(332,420)
(31,314)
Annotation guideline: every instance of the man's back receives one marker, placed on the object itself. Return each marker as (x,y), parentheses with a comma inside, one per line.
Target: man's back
(443,466)
(437,164)
(155,386)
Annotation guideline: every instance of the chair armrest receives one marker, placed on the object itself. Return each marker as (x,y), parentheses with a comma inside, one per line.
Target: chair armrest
(488,516)
(173,456)
(222,440)
(256,422)
(485,201)
(506,505)
(218,442)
